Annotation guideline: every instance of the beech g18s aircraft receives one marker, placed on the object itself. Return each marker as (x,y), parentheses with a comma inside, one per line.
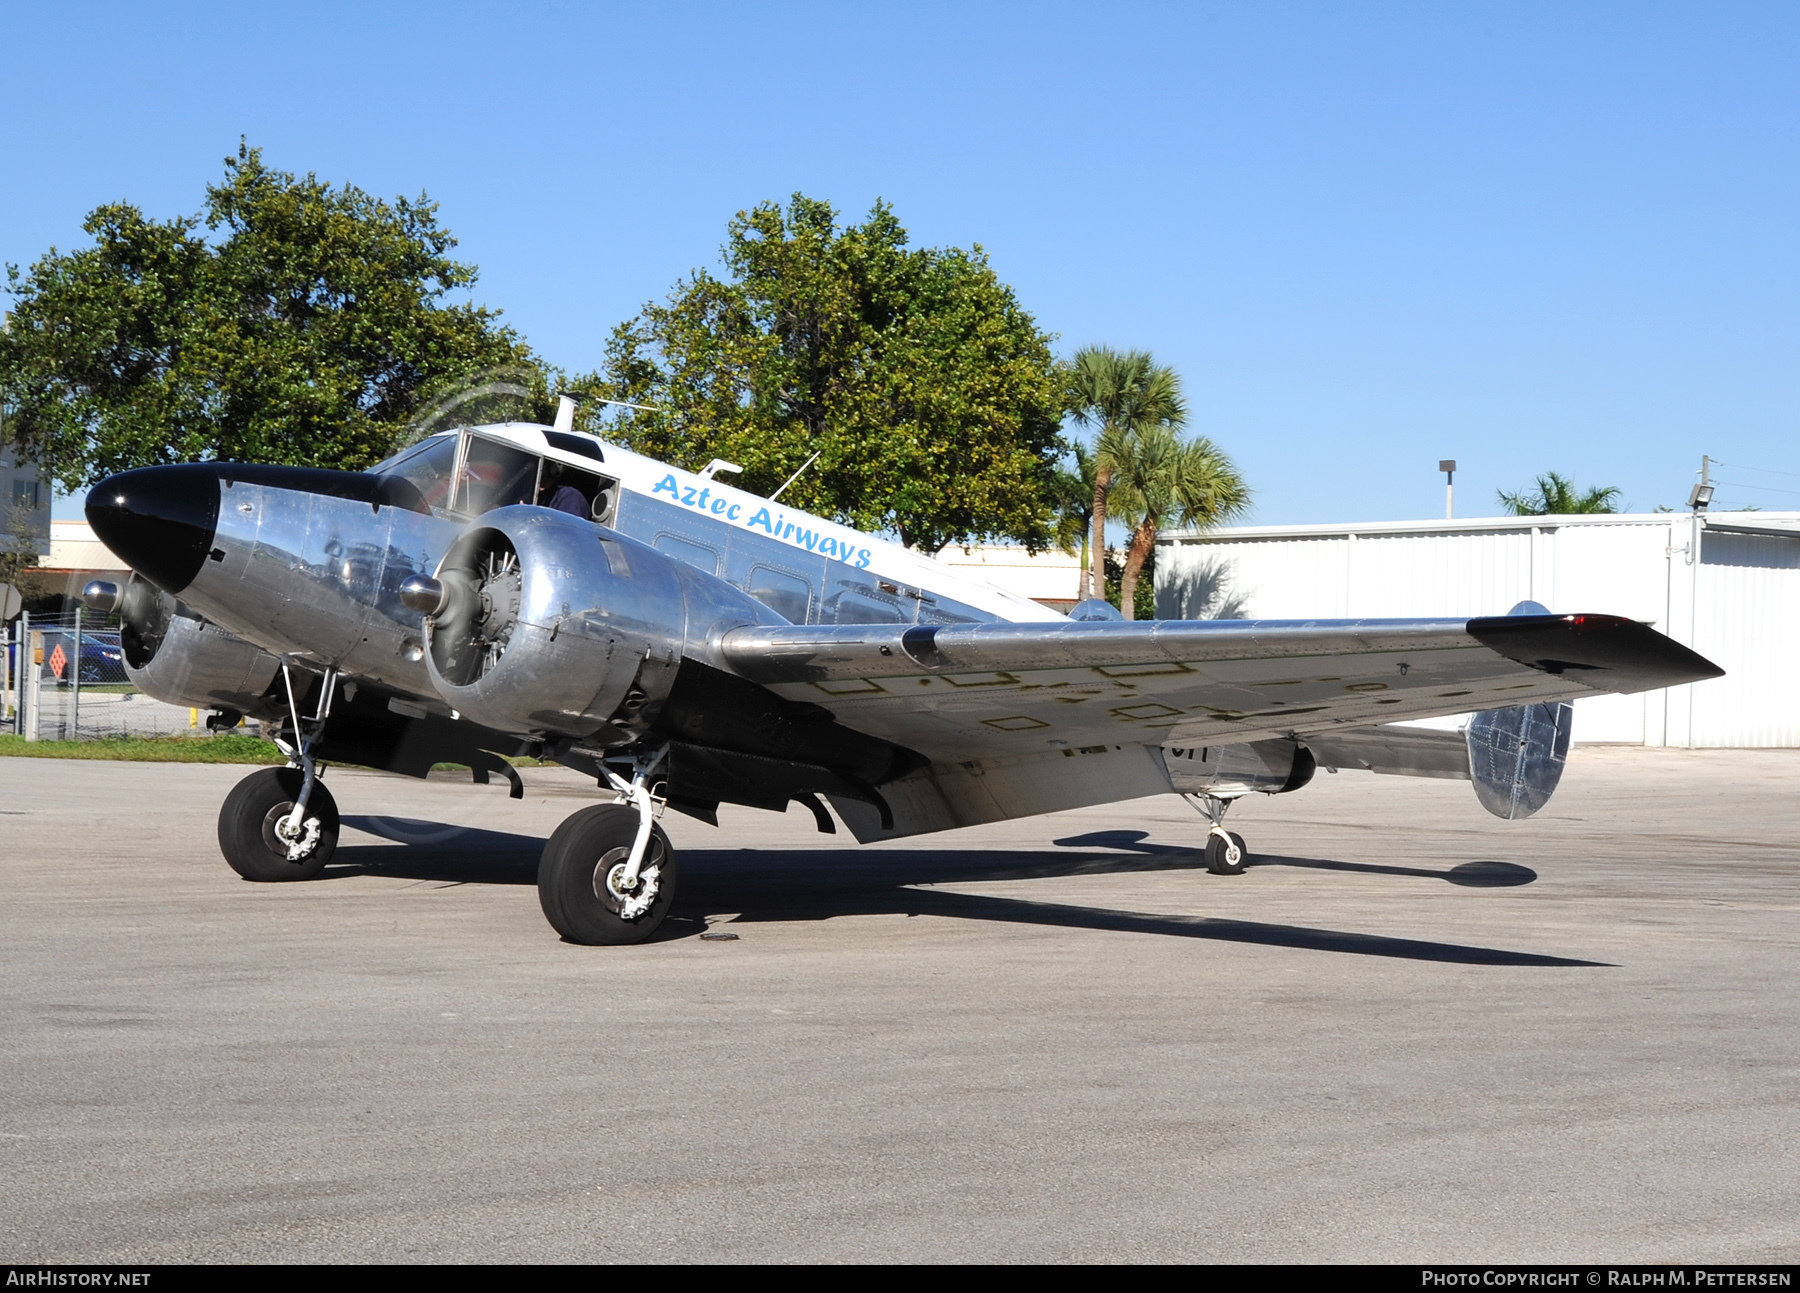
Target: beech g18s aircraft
(526,590)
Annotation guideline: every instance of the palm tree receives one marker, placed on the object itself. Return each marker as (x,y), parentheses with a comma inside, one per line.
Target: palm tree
(1072,500)
(1169,479)
(1121,394)
(1556,495)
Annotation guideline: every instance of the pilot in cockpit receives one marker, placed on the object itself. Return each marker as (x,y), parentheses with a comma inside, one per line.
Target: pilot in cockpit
(558,492)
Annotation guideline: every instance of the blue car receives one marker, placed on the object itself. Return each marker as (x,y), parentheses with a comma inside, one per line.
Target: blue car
(102,660)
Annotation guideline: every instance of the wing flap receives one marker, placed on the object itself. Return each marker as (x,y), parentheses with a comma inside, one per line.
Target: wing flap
(1401,751)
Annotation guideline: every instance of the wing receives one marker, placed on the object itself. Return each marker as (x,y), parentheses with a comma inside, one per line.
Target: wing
(1002,691)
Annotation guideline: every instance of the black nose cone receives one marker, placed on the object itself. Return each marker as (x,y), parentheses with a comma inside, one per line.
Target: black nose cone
(158,520)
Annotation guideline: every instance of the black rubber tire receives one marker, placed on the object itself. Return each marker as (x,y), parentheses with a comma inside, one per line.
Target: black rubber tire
(91,672)
(569,877)
(1218,860)
(251,809)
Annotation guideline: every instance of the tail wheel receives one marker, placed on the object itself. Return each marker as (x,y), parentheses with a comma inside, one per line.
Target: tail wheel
(580,878)
(1226,853)
(253,827)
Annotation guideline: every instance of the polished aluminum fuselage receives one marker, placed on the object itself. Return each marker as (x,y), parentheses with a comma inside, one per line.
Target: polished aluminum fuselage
(316,578)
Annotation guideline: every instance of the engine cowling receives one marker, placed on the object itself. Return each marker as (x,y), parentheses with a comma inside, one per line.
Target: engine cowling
(173,655)
(551,625)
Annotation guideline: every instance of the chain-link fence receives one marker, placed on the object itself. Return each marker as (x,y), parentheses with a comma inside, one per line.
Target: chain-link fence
(63,679)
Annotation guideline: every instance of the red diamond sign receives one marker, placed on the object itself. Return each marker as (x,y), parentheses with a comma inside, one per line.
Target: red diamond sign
(58,660)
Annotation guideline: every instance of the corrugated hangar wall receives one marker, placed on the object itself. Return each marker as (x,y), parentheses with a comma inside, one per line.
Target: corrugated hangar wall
(1738,603)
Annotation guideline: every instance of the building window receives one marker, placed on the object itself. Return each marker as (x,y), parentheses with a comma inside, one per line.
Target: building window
(25,494)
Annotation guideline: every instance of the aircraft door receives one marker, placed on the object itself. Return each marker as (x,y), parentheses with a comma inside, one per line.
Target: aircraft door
(857,598)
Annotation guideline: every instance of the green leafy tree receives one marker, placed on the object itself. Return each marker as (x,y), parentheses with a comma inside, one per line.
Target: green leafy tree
(1122,395)
(1557,495)
(18,543)
(1164,478)
(929,395)
(290,322)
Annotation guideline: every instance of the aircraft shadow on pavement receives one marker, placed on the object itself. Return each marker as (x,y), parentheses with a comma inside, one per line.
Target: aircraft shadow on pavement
(771,885)
(434,851)
(1473,875)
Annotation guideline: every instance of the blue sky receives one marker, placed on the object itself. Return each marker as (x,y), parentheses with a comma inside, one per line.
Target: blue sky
(1369,236)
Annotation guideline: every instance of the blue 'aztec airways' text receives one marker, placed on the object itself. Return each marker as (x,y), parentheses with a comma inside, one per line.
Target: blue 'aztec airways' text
(774,524)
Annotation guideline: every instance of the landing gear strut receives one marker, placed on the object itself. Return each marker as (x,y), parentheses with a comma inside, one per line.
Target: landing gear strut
(607,875)
(1226,853)
(281,823)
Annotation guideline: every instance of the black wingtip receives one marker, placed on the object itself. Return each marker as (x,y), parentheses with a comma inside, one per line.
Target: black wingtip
(1616,654)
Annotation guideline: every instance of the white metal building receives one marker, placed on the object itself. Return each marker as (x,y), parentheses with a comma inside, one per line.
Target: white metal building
(1051,577)
(1727,584)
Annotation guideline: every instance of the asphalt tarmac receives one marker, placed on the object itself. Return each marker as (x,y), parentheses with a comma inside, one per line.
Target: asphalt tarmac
(1410,1032)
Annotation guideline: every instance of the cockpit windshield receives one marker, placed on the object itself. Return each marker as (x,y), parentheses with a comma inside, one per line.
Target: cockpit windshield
(494,474)
(430,466)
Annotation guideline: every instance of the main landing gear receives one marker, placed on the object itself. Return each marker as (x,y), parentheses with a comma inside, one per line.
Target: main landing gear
(281,823)
(1226,853)
(254,834)
(608,874)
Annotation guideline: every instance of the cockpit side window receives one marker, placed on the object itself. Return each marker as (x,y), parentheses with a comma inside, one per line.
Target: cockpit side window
(495,474)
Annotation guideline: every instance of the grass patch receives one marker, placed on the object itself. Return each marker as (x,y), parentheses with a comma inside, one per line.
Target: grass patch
(227,747)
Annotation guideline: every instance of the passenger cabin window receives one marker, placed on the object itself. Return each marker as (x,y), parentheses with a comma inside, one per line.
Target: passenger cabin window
(789,596)
(695,554)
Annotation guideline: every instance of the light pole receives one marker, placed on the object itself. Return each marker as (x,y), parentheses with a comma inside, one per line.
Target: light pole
(1448,467)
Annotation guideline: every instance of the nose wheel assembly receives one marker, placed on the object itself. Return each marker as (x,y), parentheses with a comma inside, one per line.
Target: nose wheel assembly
(281,823)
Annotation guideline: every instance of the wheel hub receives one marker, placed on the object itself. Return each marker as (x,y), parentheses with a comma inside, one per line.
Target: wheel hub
(609,875)
(294,844)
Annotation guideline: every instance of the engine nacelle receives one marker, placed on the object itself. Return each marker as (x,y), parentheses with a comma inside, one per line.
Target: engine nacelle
(1230,771)
(551,625)
(173,655)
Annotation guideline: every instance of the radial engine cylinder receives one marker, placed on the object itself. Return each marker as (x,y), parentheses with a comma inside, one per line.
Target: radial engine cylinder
(551,625)
(174,656)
